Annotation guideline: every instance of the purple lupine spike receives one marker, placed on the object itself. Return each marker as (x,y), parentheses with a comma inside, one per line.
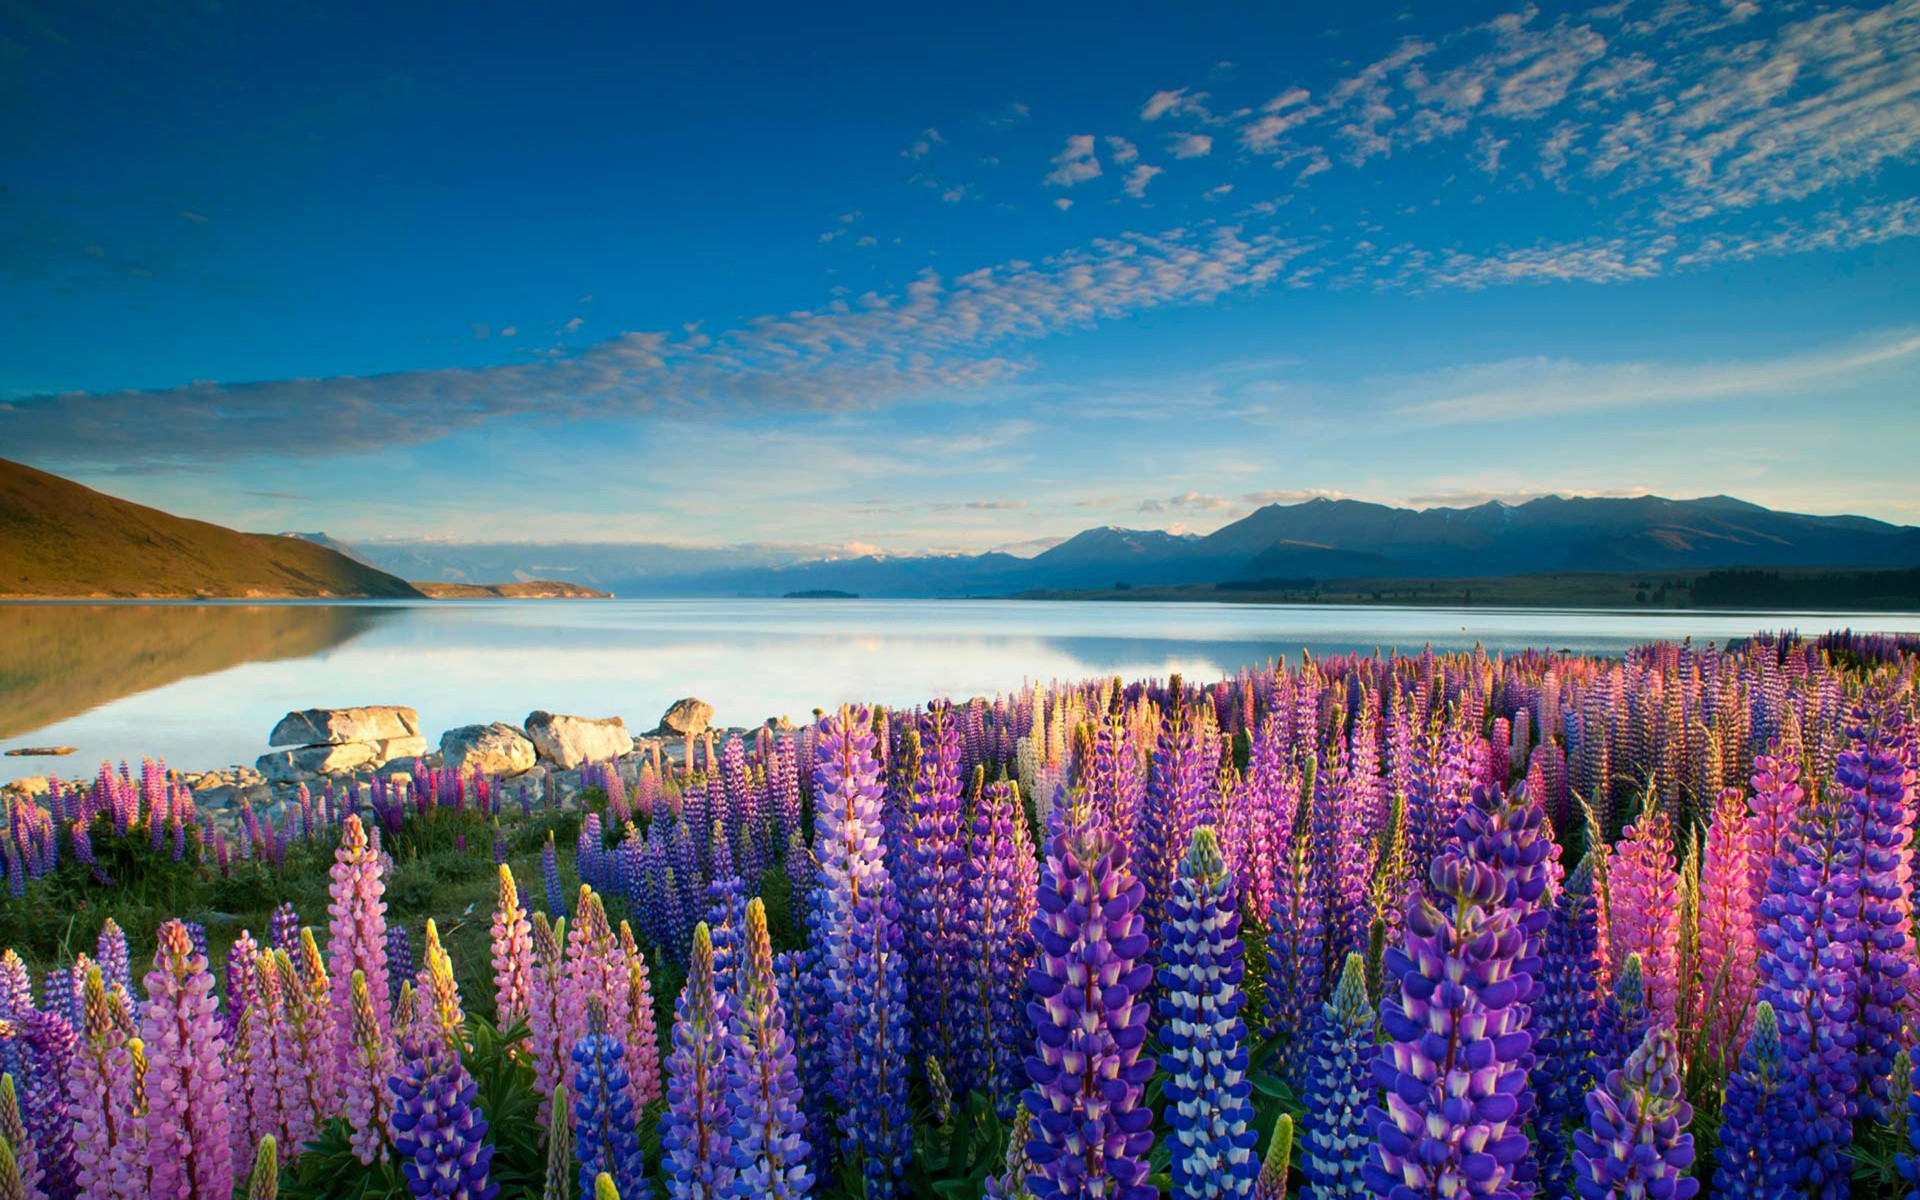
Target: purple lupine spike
(440,1135)
(726,911)
(1806,931)
(284,928)
(400,965)
(1876,774)
(1209,1095)
(550,880)
(110,951)
(603,1117)
(998,887)
(696,1141)
(1636,1142)
(1296,946)
(931,887)
(1759,1157)
(1340,1094)
(1175,803)
(1456,1055)
(188,1125)
(770,1150)
(1563,1026)
(1091,1130)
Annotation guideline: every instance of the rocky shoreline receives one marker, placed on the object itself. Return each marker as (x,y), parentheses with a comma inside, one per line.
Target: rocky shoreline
(548,754)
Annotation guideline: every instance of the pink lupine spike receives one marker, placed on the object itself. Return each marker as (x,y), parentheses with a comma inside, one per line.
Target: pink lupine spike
(512,953)
(1643,892)
(357,940)
(189,1148)
(1729,954)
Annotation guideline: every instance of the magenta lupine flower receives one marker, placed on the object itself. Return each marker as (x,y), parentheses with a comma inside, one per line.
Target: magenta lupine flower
(189,1130)
(512,953)
(1091,1131)
(357,942)
(1777,800)
(1636,1144)
(310,1076)
(266,1098)
(1729,955)
(1456,1059)
(1643,913)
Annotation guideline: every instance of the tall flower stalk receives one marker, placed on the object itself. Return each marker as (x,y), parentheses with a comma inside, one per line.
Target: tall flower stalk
(770,1150)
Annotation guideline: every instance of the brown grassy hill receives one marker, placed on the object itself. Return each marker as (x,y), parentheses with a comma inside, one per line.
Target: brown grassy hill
(58,538)
(531,589)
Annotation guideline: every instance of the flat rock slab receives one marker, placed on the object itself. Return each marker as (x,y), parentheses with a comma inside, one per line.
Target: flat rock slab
(338,726)
(495,749)
(567,741)
(39,751)
(288,766)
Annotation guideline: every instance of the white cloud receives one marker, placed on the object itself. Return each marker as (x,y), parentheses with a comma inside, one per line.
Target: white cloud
(1186,502)
(1560,387)
(1139,178)
(1063,204)
(1192,145)
(1178,102)
(1123,150)
(923,145)
(1076,163)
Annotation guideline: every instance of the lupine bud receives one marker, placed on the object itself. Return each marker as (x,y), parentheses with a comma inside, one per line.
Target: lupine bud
(264,1183)
(1636,1144)
(1272,1181)
(560,1178)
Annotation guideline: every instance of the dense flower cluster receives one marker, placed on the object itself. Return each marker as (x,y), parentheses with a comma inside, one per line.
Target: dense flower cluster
(1495,921)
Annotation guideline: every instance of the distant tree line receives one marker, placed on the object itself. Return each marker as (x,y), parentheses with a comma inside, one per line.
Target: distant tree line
(1833,589)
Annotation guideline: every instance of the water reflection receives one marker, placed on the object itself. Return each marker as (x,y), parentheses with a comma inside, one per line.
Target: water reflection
(202,684)
(59,660)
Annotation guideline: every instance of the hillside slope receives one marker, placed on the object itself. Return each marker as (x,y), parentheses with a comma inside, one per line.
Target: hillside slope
(58,538)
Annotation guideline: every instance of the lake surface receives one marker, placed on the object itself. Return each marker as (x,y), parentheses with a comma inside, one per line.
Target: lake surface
(202,684)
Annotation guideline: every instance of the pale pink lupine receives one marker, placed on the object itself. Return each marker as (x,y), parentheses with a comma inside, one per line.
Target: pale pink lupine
(1729,954)
(357,940)
(1777,799)
(363,1081)
(644,1083)
(594,974)
(309,992)
(546,1006)
(512,952)
(1643,897)
(189,1145)
(109,1136)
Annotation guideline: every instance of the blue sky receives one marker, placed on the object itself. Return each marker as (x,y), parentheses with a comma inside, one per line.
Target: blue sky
(924,277)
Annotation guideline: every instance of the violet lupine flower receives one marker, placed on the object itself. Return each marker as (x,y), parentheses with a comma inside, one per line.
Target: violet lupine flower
(357,940)
(931,887)
(1091,1131)
(770,1149)
(696,1141)
(283,928)
(110,951)
(188,1126)
(1296,950)
(1808,972)
(16,986)
(1563,1027)
(400,966)
(550,879)
(512,953)
(998,887)
(855,946)
(1759,1136)
(1643,913)
(603,1116)
(40,1053)
(1210,1097)
(1455,1060)
(1777,800)
(1875,774)
(1622,1021)
(1177,785)
(1339,853)
(1340,1091)
(440,1136)
(1636,1144)
(726,909)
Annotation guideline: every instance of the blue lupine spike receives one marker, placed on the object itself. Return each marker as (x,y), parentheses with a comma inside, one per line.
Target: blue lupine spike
(1339,1136)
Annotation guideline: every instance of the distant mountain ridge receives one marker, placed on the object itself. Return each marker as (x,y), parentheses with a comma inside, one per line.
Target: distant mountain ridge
(59,539)
(1320,538)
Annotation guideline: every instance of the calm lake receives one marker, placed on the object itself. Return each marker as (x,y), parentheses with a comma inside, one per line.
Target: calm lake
(201,684)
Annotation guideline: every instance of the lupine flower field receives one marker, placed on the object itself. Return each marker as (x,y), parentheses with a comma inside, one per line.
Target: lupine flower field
(1408,927)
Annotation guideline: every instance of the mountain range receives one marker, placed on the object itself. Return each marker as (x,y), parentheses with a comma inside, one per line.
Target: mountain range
(1319,539)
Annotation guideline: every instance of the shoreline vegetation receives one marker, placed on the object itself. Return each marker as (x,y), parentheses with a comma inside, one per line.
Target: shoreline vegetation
(1290,861)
